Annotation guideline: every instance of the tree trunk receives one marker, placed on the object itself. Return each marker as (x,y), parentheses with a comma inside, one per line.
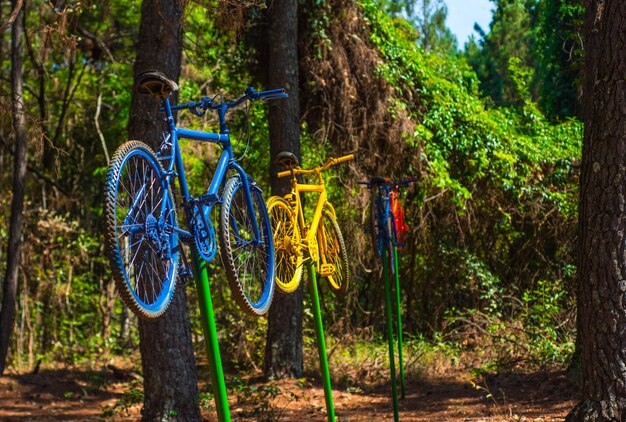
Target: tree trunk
(7,313)
(283,350)
(170,378)
(602,219)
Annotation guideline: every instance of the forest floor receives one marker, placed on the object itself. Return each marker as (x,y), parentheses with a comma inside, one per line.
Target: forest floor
(89,395)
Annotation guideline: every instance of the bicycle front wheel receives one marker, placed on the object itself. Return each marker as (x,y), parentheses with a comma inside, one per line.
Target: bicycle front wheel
(333,251)
(289,256)
(248,259)
(140,218)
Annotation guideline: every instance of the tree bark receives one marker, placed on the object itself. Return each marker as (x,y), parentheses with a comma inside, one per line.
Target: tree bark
(17,8)
(602,219)
(7,313)
(283,350)
(170,377)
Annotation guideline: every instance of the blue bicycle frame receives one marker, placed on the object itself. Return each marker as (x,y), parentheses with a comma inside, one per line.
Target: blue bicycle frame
(383,188)
(226,161)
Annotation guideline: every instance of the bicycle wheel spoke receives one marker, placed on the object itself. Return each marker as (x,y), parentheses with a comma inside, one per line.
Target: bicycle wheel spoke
(132,261)
(131,245)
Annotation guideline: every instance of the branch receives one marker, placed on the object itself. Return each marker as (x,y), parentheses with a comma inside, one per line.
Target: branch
(67,98)
(16,10)
(98,41)
(100,135)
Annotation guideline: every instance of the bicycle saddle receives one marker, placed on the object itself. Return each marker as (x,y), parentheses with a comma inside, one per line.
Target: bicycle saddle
(377,180)
(287,159)
(155,83)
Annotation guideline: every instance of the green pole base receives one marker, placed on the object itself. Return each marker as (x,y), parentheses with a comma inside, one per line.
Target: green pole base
(321,344)
(399,315)
(392,366)
(210,335)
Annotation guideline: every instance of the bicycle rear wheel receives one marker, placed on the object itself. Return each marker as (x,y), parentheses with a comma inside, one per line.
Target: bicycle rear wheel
(141,242)
(289,256)
(333,251)
(248,261)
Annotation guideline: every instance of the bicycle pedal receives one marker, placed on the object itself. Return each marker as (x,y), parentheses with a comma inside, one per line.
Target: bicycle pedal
(184,276)
(327,270)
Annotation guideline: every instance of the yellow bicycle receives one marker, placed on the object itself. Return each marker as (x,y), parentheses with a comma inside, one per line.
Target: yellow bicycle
(321,238)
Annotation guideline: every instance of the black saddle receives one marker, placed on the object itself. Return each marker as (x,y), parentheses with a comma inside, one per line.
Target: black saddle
(287,159)
(155,83)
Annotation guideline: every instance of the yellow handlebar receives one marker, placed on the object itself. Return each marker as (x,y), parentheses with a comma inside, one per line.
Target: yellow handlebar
(283,173)
(331,162)
(343,159)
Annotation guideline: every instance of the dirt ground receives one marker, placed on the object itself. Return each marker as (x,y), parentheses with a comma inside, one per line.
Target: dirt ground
(87,395)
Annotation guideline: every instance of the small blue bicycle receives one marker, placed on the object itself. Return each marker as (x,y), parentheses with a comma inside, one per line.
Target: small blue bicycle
(383,230)
(143,239)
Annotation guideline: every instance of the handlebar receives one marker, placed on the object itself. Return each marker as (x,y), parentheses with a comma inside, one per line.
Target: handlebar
(266,95)
(285,173)
(200,108)
(329,163)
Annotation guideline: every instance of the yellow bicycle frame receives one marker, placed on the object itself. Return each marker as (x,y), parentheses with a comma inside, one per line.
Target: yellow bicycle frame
(309,237)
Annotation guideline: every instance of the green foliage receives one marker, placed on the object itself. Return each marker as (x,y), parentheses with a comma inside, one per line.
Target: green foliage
(543,316)
(361,359)
(67,307)
(258,399)
(536,332)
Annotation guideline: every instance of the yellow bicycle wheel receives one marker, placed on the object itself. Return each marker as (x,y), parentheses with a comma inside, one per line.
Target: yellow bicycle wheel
(333,252)
(287,244)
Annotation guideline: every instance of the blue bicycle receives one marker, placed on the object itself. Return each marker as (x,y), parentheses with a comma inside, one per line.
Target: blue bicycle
(143,239)
(383,228)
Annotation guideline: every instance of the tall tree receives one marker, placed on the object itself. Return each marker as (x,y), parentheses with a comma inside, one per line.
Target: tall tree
(283,351)
(602,219)
(170,378)
(510,35)
(7,313)
(429,18)
(559,55)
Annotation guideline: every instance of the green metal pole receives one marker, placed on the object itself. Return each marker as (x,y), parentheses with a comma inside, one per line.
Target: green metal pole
(392,365)
(399,315)
(321,344)
(210,335)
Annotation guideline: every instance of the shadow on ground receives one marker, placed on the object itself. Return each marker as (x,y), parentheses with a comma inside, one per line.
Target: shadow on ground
(57,395)
(79,395)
